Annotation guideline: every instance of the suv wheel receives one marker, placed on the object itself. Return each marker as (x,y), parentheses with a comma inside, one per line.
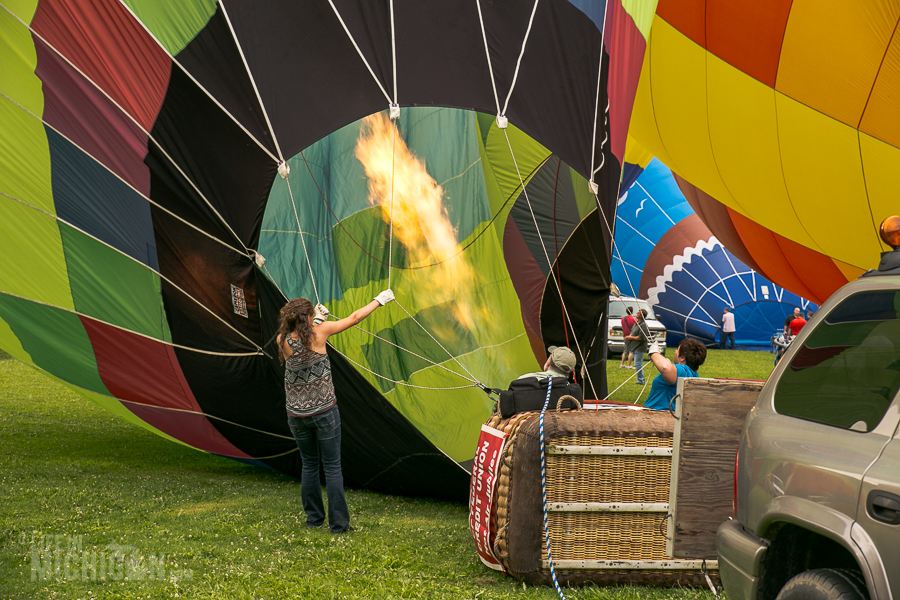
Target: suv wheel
(825,584)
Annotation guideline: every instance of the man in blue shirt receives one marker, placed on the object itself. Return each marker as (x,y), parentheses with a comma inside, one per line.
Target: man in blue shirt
(689,355)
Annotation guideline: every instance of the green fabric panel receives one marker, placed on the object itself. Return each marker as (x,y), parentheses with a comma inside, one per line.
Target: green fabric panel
(24,9)
(485,123)
(111,287)
(33,262)
(496,350)
(55,339)
(24,157)
(584,198)
(526,154)
(173,22)
(445,140)
(11,345)
(18,58)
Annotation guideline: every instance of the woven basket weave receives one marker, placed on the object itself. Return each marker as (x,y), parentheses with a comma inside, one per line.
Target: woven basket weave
(612,533)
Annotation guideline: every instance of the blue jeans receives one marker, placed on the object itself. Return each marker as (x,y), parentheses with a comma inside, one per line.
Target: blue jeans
(725,339)
(318,437)
(638,365)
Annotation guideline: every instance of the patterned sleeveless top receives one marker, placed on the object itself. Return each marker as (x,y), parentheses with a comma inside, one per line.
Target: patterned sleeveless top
(307,381)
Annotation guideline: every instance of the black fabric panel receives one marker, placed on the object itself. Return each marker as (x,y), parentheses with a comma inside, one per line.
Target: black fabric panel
(552,199)
(585,277)
(198,273)
(214,60)
(247,397)
(87,195)
(232,172)
(309,75)
(440,62)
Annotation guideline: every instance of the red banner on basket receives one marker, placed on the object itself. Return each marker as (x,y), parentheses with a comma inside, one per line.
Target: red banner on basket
(485,470)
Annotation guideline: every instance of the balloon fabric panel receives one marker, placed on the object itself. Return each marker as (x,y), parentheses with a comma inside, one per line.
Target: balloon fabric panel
(79,112)
(112,49)
(63,349)
(159,158)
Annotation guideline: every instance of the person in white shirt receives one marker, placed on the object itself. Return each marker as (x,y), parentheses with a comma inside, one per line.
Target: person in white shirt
(727,329)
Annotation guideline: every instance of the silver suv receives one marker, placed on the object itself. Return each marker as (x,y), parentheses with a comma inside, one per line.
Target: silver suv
(617,307)
(817,475)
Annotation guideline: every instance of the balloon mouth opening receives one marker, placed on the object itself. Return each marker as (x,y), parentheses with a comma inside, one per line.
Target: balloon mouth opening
(890,231)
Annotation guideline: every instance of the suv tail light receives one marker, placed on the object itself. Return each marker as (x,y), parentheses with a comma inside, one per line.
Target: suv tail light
(734,488)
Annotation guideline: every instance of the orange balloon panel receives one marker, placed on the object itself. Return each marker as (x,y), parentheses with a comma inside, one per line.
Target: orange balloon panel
(787,115)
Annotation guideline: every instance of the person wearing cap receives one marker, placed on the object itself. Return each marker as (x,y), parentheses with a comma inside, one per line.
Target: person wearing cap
(560,363)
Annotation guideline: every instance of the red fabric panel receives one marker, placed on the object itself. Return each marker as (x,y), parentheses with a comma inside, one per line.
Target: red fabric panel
(526,275)
(687,16)
(191,428)
(684,234)
(715,216)
(79,111)
(625,46)
(145,375)
(748,35)
(139,369)
(104,41)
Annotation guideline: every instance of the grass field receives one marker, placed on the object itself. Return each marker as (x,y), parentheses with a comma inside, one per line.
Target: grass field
(83,488)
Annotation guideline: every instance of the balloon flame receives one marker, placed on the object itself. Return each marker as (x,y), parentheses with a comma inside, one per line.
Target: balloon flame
(412,201)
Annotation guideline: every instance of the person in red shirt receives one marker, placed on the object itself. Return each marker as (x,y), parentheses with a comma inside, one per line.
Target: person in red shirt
(797,324)
(627,324)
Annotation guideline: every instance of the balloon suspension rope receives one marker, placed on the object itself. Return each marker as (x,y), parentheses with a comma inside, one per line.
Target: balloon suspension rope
(544,492)
(302,242)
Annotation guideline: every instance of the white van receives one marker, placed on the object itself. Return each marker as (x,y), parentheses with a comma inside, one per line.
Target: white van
(617,306)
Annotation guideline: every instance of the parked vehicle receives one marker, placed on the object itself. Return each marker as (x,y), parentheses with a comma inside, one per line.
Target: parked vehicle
(817,475)
(617,307)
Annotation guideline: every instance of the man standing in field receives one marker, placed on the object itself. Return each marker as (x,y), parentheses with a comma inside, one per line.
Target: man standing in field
(727,329)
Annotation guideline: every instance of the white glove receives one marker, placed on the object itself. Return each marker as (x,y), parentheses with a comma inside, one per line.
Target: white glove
(321,313)
(653,348)
(385,297)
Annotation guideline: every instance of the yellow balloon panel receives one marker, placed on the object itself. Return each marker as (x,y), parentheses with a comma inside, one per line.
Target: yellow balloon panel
(744,132)
(882,168)
(831,53)
(823,173)
(678,87)
(643,122)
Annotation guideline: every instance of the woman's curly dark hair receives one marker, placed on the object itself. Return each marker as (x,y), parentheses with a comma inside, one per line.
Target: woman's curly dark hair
(693,352)
(294,317)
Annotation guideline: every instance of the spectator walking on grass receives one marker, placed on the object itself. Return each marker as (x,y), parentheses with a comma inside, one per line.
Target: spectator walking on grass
(312,412)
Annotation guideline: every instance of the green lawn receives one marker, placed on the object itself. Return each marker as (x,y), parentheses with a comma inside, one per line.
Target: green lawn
(79,483)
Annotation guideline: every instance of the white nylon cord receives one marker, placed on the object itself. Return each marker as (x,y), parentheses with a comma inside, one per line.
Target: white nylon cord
(597,99)
(135,121)
(521,54)
(394,51)
(358,51)
(302,241)
(252,80)
(487,53)
(549,262)
(197,83)
(473,378)
(117,176)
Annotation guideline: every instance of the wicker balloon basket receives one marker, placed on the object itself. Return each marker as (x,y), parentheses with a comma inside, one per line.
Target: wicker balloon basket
(607,480)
